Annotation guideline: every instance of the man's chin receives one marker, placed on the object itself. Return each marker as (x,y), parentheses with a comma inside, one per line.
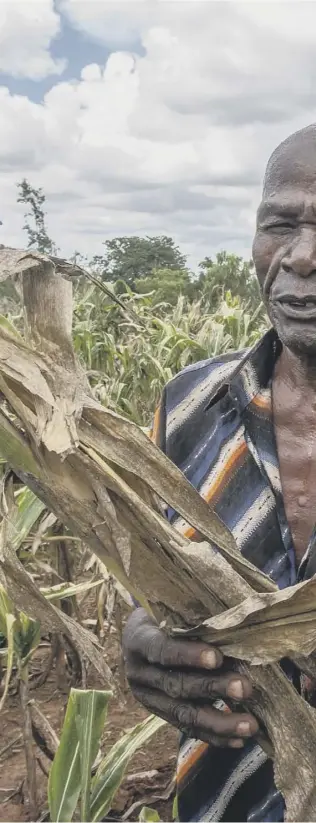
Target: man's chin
(298,336)
(301,341)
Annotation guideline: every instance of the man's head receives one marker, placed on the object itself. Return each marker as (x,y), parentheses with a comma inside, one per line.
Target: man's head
(284,248)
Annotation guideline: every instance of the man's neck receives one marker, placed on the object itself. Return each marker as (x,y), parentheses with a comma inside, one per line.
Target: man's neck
(296,370)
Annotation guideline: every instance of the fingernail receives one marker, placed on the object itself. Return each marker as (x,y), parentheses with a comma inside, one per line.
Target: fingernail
(235,689)
(243,728)
(209,659)
(236,744)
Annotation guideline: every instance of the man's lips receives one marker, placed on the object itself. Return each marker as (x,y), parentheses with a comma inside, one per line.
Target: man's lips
(297,307)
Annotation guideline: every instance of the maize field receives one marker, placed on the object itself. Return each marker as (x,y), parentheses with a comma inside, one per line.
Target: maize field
(83,488)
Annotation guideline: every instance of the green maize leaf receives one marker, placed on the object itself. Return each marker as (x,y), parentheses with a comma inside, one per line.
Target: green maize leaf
(148,815)
(91,711)
(112,769)
(64,776)
(79,743)
(27,636)
(10,626)
(6,607)
(24,516)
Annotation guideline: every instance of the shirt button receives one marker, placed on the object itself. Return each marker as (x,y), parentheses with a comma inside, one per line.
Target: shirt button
(302,500)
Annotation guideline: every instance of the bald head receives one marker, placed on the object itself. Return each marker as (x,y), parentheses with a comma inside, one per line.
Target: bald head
(292,161)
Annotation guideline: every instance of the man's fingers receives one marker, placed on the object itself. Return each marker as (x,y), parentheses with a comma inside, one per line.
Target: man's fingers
(198,721)
(189,685)
(143,638)
(175,679)
(181,654)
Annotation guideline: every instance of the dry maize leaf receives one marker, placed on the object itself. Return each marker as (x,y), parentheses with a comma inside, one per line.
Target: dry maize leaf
(48,308)
(27,597)
(242,631)
(101,475)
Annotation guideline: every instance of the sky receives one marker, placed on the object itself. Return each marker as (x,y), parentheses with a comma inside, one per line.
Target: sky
(149,117)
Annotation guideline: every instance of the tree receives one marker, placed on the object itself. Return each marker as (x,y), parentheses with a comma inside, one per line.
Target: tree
(167,285)
(228,273)
(134,258)
(34,200)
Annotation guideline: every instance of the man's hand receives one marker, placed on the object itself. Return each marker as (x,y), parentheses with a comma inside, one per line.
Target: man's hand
(179,679)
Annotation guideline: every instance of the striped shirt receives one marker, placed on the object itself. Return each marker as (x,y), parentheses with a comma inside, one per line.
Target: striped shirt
(215,423)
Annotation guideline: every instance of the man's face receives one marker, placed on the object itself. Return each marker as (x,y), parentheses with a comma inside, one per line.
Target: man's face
(284,248)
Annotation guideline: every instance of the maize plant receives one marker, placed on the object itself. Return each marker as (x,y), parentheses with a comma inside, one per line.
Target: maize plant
(71,779)
(131,352)
(22,637)
(105,480)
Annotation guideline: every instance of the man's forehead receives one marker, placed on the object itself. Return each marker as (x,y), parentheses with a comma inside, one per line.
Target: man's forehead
(290,183)
(288,202)
(293,162)
(289,199)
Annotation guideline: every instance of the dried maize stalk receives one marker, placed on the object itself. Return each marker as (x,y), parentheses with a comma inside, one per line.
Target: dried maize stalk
(103,478)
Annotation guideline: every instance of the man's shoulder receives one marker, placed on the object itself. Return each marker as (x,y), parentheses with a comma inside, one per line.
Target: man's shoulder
(204,377)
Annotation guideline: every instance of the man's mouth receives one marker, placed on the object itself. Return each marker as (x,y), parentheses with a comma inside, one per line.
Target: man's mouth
(300,308)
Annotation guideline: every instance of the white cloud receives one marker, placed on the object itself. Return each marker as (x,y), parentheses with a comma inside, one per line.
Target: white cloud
(26,30)
(115,22)
(172,139)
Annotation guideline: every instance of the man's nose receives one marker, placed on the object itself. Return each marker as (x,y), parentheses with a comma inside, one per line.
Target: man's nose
(301,258)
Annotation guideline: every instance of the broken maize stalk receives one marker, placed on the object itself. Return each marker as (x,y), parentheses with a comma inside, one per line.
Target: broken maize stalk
(104,479)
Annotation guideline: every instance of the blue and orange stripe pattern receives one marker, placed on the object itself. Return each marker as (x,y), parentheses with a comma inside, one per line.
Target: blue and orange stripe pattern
(215,423)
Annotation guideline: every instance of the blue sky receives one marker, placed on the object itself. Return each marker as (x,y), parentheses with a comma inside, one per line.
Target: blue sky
(79,50)
(77,47)
(149,117)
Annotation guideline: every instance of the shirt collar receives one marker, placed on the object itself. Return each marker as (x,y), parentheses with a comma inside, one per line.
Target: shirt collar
(252,374)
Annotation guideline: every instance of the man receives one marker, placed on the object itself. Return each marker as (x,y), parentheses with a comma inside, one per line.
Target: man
(242,428)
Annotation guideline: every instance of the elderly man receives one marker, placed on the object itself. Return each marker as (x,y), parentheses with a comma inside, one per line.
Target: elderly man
(242,429)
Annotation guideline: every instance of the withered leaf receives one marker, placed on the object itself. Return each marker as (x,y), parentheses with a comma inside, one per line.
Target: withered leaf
(103,478)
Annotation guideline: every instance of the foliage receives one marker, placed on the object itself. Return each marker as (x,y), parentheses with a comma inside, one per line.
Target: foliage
(71,773)
(228,272)
(22,635)
(148,815)
(34,200)
(166,286)
(130,362)
(7,623)
(167,319)
(22,638)
(100,474)
(147,264)
(133,258)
